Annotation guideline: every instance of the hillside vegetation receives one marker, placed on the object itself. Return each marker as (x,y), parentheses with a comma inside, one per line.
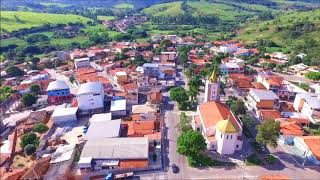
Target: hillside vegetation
(294,31)
(13,20)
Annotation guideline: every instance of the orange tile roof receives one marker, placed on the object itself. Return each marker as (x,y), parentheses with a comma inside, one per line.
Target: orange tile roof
(258,85)
(154,136)
(138,163)
(213,112)
(140,128)
(130,87)
(313,142)
(274,177)
(85,70)
(155,97)
(291,128)
(14,174)
(37,169)
(269,114)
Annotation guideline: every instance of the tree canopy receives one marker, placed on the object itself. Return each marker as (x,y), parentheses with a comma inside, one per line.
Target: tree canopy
(13,71)
(40,128)
(29,99)
(35,88)
(178,94)
(268,133)
(238,107)
(190,143)
(29,138)
(313,76)
(30,149)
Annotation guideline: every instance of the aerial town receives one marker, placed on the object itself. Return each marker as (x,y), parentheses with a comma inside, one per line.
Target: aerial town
(172,108)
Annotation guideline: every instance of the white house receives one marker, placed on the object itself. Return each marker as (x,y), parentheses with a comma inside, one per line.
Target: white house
(118,107)
(90,97)
(228,48)
(220,128)
(229,68)
(261,99)
(82,62)
(64,114)
(309,105)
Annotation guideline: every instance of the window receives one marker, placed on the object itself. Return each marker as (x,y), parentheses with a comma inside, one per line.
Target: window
(221,136)
(212,146)
(237,146)
(227,136)
(230,136)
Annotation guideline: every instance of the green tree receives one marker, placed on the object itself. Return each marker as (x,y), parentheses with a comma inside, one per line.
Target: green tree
(35,60)
(190,143)
(13,71)
(35,88)
(268,133)
(29,99)
(138,60)
(238,107)
(40,128)
(29,138)
(230,101)
(184,122)
(315,76)
(30,149)
(166,43)
(178,94)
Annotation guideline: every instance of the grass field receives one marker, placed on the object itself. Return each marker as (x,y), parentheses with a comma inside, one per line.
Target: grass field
(55,4)
(124,6)
(106,17)
(14,20)
(165,9)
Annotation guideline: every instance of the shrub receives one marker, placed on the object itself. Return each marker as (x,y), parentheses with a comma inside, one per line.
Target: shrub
(40,128)
(253,160)
(29,138)
(271,159)
(154,157)
(30,149)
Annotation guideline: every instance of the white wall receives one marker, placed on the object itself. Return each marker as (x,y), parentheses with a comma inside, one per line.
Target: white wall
(226,143)
(90,101)
(211,91)
(64,119)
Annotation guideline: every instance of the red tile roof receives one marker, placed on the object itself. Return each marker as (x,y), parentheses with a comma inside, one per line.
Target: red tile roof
(37,169)
(313,142)
(258,85)
(269,114)
(127,164)
(213,112)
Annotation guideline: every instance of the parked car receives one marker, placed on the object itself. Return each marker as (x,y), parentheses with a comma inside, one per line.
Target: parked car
(175,168)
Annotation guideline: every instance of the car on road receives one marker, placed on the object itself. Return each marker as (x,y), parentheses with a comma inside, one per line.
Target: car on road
(175,168)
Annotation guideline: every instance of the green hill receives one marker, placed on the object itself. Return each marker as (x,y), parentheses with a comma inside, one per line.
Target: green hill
(294,31)
(165,9)
(15,20)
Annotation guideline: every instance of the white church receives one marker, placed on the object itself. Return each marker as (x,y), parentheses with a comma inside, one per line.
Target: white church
(219,126)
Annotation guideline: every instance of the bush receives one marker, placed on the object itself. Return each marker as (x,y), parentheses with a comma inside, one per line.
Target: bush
(253,160)
(154,157)
(30,149)
(40,128)
(29,138)
(29,99)
(201,160)
(271,159)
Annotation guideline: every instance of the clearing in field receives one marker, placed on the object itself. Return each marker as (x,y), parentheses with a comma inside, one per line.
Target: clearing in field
(124,6)
(14,20)
(106,18)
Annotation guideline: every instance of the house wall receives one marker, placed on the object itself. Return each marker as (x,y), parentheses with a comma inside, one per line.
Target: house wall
(90,101)
(61,92)
(226,143)
(307,111)
(301,145)
(64,119)
(84,63)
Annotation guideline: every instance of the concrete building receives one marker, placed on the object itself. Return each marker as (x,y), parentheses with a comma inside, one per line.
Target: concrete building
(118,107)
(212,88)
(121,77)
(228,48)
(220,128)
(58,92)
(308,104)
(262,99)
(115,153)
(82,62)
(230,68)
(151,70)
(64,114)
(90,97)
(101,126)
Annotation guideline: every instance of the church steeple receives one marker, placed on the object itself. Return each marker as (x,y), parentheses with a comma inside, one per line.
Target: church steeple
(212,88)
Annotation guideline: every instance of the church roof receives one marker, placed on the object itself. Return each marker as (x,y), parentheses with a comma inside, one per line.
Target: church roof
(226,126)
